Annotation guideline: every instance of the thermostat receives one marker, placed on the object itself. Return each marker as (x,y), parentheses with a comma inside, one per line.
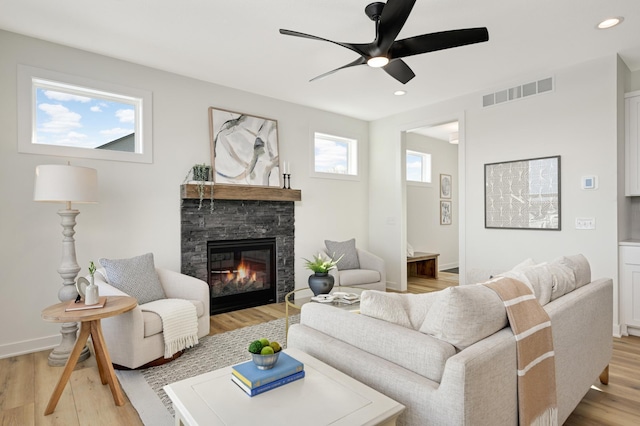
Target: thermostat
(589,182)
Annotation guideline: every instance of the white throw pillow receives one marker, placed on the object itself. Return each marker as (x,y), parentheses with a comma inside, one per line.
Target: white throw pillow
(563,279)
(136,276)
(580,266)
(384,306)
(410,251)
(464,315)
(407,310)
(536,277)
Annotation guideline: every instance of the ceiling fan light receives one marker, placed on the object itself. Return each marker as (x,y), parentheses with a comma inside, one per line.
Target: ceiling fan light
(610,22)
(378,61)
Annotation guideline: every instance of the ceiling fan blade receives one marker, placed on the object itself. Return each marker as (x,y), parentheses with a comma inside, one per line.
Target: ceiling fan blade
(393,17)
(437,41)
(358,48)
(399,70)
(359,61)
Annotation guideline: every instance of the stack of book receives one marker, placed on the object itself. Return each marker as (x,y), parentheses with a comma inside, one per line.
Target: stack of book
(255,381)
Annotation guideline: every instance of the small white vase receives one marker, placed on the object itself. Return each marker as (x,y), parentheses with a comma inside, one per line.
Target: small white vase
(88,290)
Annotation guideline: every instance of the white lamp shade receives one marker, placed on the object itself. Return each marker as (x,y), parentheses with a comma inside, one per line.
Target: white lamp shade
(65,184)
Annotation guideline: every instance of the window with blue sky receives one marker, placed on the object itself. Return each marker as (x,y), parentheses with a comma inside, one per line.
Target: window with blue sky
(335,155)
(418,167)
(82,118)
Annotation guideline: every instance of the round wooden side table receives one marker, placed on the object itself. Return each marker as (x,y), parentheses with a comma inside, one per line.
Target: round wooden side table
(90,325)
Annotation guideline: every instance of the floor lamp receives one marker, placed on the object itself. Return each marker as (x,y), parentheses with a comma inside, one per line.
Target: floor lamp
(66,184)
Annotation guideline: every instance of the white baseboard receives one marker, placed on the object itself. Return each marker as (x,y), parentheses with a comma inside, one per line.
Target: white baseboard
(632,331)
(619,331)
(443,266)
(393,285)
(29,346)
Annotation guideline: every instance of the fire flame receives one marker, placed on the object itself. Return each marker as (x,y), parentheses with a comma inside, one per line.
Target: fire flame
(243,271)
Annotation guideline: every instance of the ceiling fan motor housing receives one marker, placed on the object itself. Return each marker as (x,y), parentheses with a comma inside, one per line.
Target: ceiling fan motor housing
(374,10)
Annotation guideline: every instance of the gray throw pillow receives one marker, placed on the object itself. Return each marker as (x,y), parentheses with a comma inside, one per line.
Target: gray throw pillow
(347,249)
(136,276)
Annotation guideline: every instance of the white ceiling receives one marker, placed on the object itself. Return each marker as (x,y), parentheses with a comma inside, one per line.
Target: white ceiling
(237,44)
(441,131)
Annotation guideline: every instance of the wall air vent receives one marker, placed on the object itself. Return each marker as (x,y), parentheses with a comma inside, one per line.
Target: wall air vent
(518,92)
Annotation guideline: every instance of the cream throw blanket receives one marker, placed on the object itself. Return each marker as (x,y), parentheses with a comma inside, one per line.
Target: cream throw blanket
(531,327)
(179,323)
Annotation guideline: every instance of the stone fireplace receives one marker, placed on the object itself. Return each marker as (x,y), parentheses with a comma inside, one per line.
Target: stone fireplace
(220,246)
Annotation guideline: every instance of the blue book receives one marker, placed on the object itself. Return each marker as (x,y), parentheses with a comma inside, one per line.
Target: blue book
(268,386)
(253,377)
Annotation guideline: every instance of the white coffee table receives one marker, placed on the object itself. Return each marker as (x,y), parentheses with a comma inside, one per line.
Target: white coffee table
(325,396)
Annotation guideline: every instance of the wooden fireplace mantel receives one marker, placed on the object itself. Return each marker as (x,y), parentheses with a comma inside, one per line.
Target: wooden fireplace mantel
(241,192)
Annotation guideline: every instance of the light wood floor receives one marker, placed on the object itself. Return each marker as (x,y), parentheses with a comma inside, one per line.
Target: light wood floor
(26,381)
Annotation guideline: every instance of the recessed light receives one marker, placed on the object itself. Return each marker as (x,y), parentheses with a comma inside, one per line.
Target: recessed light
(378,61)
(610,23)
(399,93)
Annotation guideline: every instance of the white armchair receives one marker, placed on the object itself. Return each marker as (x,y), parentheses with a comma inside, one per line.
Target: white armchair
(135,338)
(371,275)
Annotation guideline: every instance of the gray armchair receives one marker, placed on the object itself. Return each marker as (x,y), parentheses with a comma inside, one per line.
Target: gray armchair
(371,275)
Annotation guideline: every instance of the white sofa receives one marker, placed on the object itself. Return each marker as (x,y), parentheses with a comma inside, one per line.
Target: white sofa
(441,384)
(371,275)
(135,338)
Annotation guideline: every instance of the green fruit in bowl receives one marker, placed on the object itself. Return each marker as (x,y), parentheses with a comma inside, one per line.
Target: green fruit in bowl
(265,342)
(267,350)
(255,347)
(275,346)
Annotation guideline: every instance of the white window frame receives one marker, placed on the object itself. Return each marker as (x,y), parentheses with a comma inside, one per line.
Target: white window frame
(353,161)
(427,178)
(30,79)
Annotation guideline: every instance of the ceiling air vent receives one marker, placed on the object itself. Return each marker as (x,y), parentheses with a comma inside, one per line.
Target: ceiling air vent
(518,92)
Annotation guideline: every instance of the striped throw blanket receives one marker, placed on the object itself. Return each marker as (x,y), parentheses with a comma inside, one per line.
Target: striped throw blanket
(531,326)
(179,323)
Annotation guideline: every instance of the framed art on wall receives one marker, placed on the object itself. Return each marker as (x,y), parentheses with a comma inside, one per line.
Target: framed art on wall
(523,194)
(244,149)
(445,186)
(445,213)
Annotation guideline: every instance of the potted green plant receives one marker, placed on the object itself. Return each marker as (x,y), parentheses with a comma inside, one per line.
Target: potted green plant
(200,173)
(321,282)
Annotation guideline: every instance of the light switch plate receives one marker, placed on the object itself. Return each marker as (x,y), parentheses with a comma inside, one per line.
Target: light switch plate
(585,223)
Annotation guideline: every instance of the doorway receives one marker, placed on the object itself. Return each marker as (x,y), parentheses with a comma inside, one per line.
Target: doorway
(432,197)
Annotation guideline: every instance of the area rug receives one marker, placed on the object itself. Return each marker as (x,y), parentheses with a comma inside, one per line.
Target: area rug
(144,387)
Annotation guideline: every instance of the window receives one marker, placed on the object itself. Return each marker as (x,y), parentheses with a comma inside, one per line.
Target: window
(418,167)
(335,155)
(74,117)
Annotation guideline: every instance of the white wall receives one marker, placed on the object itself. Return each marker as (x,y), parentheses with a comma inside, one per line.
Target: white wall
(139,208)
(577,121)
(424,231)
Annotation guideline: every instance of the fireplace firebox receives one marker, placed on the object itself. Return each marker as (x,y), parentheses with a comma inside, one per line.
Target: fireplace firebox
(241,273)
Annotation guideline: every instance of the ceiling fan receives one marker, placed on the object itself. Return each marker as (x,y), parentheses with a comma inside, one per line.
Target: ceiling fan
(386,52)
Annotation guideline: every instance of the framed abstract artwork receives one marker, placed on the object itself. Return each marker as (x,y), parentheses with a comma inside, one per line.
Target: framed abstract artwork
(445,213)
(244,149)
(523,194)
(445,186)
